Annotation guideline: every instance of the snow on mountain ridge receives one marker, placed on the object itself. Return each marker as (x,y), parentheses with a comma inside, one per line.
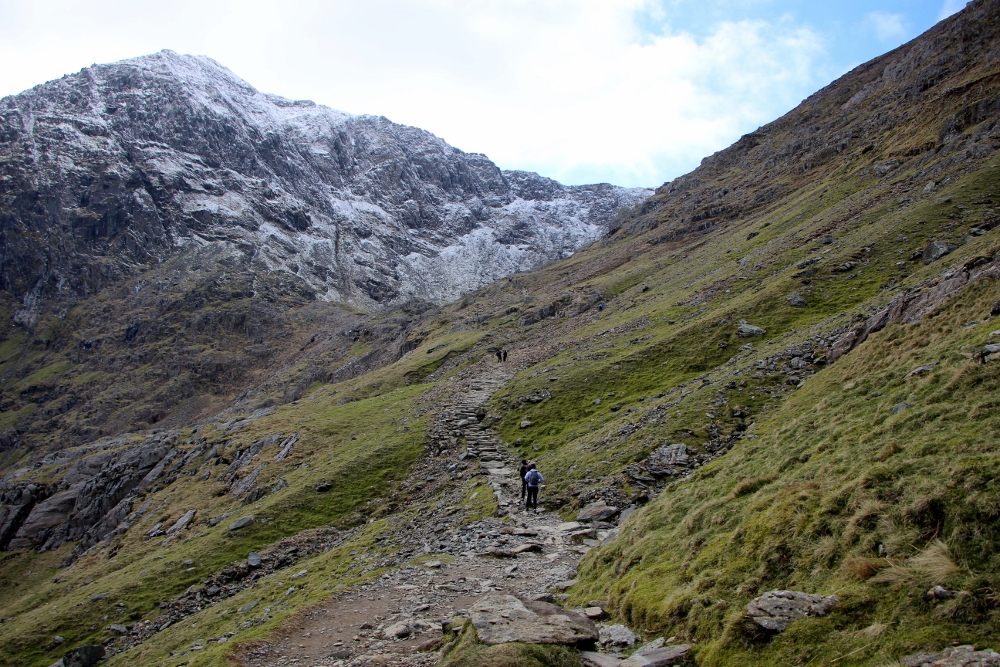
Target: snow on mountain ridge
(137,160)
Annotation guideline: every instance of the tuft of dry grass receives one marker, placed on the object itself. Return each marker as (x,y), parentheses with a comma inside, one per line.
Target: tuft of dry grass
(932,566)
(861,568)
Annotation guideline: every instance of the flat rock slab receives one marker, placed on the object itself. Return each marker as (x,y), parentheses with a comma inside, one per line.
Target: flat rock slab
(774,610)
(501,619)
(954,656)
(594,659)
(661,657)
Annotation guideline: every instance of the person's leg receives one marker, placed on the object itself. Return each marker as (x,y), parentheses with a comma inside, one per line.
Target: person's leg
(524,489)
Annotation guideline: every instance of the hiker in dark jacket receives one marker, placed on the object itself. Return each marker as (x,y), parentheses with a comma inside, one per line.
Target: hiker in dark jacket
(521,472)
(533,478)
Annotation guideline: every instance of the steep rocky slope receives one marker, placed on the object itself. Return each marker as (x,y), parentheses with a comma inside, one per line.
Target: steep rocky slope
(800,396)
(129,163)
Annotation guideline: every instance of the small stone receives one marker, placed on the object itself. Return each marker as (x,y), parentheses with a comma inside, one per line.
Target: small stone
(747,329)
(525,423)
(182,522)
(398,630)
(248,606)
(795,299)
(776,609)
(241,523)
(941,593)
(921,370)
(118,629)
(935,250)
(433,564)
(900,407)
(57,640)
(323,487)
(253,559)
(617,635)
(594,613)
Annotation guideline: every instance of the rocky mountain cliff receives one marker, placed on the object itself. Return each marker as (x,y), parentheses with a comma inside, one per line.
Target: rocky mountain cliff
(123,165)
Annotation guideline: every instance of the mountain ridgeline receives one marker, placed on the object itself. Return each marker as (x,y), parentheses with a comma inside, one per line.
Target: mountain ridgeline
(250,390)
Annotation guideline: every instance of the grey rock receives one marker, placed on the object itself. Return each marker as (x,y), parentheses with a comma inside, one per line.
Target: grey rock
(399,630)
(595,659)
(84,656)
(525,423)
(617,636)
(747,329)
(323,487)
(182,522)
(248,607)
(666,459)
(954,656)
(795,299)
(660,657)
(921,370)
(118,629)
(286,447)
(776,609)
(500,619)
(254,559)
(241,523)
(941,593)
(935,250)
(594,613)
(650,646)
(597,511)
(900,407)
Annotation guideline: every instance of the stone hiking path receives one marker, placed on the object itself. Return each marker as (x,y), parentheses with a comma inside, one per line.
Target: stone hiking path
(397,618)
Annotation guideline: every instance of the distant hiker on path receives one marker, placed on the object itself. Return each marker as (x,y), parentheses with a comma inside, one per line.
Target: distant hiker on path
(533,478)
(499,355)
(522,471)
(504,352)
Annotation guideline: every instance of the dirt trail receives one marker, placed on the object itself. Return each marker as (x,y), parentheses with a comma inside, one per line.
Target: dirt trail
(389,620)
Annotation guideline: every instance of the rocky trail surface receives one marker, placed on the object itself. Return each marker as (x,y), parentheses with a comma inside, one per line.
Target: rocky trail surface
(397,619)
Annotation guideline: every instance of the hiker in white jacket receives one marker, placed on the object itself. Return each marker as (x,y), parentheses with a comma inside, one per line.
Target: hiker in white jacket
(532,478)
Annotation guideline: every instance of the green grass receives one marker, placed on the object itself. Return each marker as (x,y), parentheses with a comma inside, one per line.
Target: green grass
(835,495)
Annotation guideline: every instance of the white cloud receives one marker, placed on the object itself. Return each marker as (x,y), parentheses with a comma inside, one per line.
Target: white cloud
(570,88)
(887,26)
(950,7)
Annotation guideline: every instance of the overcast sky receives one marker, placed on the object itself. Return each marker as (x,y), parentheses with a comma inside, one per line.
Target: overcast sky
(633,92)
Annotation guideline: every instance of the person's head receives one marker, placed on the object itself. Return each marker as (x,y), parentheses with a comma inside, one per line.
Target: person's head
(532,466)
(524,462)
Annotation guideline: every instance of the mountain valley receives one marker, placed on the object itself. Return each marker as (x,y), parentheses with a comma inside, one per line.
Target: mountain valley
(252,411)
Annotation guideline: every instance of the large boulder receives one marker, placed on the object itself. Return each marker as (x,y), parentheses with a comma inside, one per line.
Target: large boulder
(500,619)
(774,610)
(597,511)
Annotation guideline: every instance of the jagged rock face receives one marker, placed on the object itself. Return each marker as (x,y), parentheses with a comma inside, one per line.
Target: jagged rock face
(124,164)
